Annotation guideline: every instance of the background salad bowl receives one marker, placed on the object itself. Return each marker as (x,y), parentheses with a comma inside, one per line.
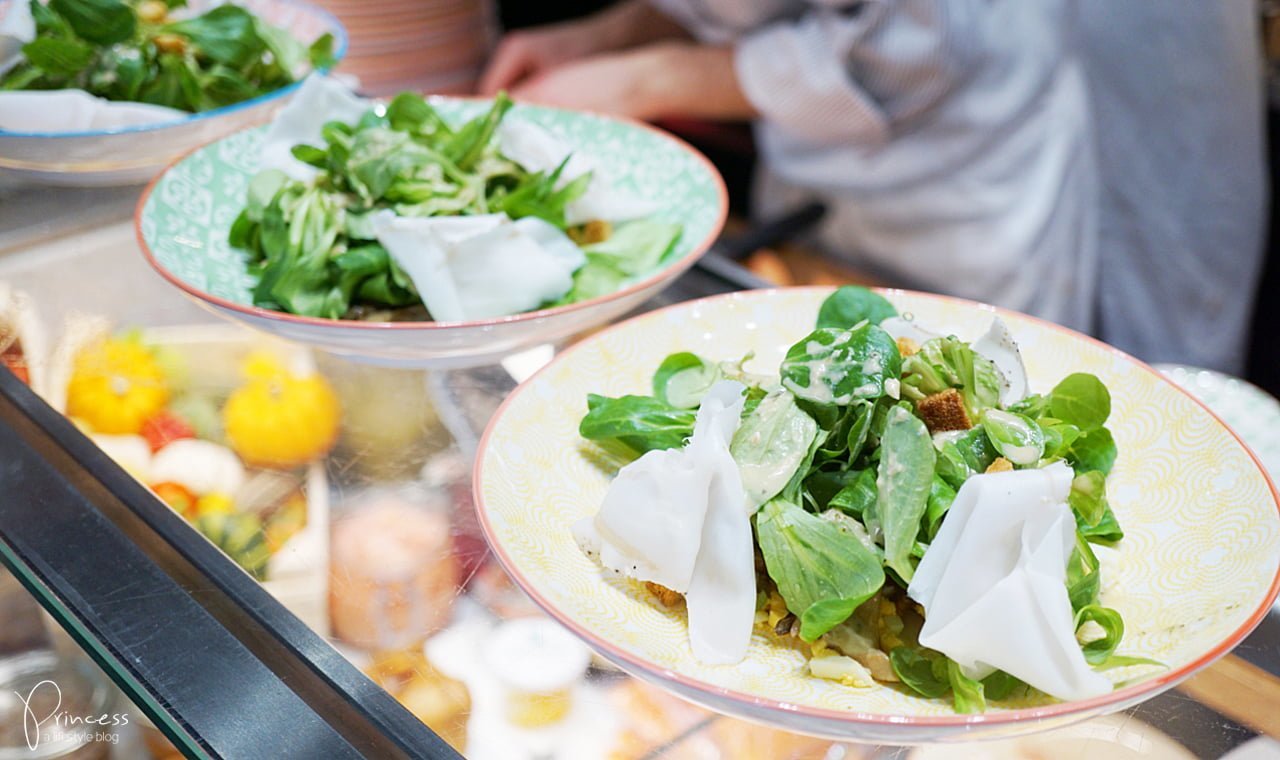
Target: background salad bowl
(184,217)
(1198,568)
(132,155)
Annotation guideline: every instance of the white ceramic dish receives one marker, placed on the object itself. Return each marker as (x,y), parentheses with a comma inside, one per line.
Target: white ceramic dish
(1197,569)
(133,155)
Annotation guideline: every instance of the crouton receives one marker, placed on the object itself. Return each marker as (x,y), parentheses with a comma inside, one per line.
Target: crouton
(665,595)
(907,347)
(944,411)
(1000,464)
(594,231)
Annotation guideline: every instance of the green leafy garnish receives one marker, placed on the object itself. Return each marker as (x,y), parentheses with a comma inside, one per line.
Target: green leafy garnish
(838,366)
(943,363)
(822,572)
(410,161)
(852,489)
(770,445)
(904,481)
(684,378)
(852,304)
(640,423)
(223,56)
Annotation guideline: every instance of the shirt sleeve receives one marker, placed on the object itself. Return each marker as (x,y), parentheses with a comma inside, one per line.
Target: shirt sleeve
(856,72)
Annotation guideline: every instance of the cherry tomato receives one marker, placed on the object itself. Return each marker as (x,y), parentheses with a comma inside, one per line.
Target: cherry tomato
(164,428)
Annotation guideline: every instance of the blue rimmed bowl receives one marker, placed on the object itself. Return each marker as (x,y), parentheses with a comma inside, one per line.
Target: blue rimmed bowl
(132,155)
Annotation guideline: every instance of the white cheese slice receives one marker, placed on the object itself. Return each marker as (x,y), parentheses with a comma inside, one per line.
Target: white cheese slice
(901,327)
(320,99)
(537,150)
(17,28)
(997,344)
(477,267)
(993,583)
(680,518)
(76,110)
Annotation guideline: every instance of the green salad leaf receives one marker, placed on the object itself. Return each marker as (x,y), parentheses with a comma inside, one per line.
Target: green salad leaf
(903,483)
(964,456)
(771,444)
(409,160)
(943,363)
(105,22)
(1099,650)
(822,572)
(859,497)
(1081,400)
(941,495)
(637,246)
(968,694)
(1083,579)
(640,423)
(1088,497)
(926,675)
(226,34)
(223,56)
(1017,438)
(59,57)
(852,304)
(1094,450)
(838,366)
(684,378)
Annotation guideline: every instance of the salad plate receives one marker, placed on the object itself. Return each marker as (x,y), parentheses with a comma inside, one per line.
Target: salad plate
(1197,569)
(124,155)
(185,222)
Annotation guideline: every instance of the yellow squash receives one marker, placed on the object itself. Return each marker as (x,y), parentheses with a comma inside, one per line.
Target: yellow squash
(279,419)
(115,386)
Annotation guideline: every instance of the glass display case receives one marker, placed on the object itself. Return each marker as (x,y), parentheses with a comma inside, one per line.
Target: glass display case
(337,599)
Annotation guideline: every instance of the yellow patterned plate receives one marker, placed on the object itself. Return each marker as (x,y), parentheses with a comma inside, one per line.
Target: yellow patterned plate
(1197,570)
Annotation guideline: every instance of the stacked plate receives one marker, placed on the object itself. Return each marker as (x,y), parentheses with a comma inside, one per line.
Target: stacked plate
(433,46)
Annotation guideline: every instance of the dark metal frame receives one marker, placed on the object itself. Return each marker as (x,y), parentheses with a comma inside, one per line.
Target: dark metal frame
(213,660)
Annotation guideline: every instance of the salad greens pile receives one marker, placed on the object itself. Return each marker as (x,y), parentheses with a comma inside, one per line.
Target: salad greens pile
(134,51)
(312,244)
(854,485)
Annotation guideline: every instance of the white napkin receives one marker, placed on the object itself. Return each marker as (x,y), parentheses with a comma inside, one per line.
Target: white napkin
(993,583)
(75,111)
(476,267)
(680,518)
(537,150)
(320,99)
(17,28)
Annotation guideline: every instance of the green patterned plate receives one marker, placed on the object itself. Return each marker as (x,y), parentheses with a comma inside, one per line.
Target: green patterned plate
(184,216)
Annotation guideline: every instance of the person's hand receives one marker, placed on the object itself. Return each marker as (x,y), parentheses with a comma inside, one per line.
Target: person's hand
(646,83)
(622,84)
(528,53)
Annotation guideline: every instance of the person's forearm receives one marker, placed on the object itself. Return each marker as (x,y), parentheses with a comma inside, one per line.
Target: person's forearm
(696,81)
(632,23)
